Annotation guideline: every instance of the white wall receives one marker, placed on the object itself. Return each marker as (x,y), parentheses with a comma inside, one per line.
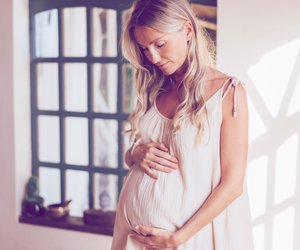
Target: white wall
(258,41)
(15,143)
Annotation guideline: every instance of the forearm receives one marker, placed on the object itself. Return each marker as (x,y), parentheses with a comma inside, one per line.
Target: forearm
(219,199)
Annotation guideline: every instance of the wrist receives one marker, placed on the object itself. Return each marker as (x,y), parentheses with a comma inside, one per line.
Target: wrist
(179,237)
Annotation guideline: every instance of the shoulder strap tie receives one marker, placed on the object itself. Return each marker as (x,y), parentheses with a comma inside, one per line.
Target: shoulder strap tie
(234,82)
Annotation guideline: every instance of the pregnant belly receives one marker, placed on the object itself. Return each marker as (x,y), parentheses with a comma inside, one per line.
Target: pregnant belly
(156,203)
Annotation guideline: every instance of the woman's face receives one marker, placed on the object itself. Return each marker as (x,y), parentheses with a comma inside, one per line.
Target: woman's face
(166,51)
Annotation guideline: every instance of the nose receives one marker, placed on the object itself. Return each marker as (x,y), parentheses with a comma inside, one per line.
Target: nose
(154,56)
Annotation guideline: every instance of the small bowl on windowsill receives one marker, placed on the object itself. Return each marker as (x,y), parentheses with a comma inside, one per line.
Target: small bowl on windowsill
(58,211)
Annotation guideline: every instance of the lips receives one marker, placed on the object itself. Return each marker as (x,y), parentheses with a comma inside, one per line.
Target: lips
(163,65)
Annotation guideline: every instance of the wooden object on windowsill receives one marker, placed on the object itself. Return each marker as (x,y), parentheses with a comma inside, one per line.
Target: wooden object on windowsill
(98,217)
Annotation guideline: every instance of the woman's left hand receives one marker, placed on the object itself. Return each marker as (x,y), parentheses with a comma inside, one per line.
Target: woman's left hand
(155,238)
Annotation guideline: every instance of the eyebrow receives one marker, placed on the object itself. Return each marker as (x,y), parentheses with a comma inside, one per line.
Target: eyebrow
(152,40)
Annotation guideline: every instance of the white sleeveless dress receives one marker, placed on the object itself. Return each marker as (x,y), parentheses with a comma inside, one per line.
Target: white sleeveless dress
(173,198)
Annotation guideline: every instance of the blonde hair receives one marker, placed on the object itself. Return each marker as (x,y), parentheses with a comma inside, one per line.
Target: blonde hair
(168,16)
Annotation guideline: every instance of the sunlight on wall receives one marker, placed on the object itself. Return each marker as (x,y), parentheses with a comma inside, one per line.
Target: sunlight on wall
(286,161)
(295,103)
(282,230)
(272,87)
(257,171)
(274,139)
(259,236)
(257,128)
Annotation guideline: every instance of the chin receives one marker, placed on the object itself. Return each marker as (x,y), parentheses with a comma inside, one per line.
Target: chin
(168,72)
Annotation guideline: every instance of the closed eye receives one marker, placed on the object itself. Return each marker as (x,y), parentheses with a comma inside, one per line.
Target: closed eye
(160,45)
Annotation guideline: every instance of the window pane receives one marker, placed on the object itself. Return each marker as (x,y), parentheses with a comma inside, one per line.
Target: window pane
(126,141)
(77,186)
(105,192)
(47,86)
(75,87)
(48,139)
(105,143)
(46,33)
(129,96)
(104,32)
(105,77)
(74,28)
(76,130)
(49,182)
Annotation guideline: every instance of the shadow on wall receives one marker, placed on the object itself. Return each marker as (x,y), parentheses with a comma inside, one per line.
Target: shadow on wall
(273,84)
(274,157)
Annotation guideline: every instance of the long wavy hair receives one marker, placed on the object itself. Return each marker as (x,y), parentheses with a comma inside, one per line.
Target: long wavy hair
(168,16)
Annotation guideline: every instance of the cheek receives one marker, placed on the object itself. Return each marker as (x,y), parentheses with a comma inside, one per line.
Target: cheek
(180,52)
(177,51)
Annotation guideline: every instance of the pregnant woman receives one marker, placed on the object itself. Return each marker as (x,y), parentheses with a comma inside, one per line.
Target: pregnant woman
(186,186)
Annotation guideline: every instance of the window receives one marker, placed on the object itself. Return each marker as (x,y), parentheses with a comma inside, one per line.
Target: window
(81,95)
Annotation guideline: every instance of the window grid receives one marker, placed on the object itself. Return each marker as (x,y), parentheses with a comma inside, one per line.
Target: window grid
(89,60)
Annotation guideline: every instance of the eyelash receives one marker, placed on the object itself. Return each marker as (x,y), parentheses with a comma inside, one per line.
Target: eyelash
(158,46)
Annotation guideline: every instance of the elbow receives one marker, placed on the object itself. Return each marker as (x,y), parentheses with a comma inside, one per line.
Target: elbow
(237,191)
(234,190)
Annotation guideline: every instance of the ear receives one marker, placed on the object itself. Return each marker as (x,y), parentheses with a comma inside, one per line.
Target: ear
(188,29)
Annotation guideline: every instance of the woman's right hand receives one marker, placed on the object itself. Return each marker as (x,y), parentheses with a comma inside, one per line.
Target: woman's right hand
(154,155)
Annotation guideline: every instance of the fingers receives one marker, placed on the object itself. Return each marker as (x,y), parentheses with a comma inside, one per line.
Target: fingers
(159,150)
(141,239)
(165,162)
(161,146)
(154,156)
(159,167)
(146,231)
(143,235)
(149,171)
(147,241)
(153,238)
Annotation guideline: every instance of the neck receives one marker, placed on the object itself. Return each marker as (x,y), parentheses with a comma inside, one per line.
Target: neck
(173,87)
(178,75)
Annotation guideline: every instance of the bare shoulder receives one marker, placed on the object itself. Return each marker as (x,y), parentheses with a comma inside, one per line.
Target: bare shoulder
(215,80)
(232,100)
(214,74)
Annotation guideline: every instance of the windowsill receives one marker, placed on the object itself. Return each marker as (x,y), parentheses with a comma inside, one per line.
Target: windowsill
(70,223)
